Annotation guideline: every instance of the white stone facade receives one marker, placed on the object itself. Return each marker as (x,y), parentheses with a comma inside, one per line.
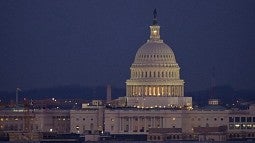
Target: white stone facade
(20,120)
(87,121)
(138,121)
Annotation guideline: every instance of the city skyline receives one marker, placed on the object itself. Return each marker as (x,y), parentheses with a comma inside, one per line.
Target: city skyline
(53,43)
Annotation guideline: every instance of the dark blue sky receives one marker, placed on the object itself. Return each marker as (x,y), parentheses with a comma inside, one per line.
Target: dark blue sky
(45,43)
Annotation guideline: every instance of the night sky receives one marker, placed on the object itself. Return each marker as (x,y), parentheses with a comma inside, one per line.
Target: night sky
(47,43)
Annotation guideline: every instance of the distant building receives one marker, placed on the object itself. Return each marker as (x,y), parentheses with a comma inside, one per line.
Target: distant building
(155,75)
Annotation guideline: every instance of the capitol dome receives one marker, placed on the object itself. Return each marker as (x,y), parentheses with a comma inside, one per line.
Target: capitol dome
(155,53)
(155,74)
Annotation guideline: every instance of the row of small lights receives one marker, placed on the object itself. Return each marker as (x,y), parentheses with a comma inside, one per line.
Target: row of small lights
(171,106)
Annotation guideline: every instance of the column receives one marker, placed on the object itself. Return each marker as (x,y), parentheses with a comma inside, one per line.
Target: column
(156,90)
(161,122)
(121,125)
(153,91)
(142,90)
(151,122)
(131,90)
(177,90)
(165,90)
(154,122)
(129,124)
(145,123)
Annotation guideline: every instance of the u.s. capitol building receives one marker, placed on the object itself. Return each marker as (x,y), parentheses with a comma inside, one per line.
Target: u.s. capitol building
(154,108)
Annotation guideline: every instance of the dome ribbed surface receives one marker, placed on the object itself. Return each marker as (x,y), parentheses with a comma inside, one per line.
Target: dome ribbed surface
(154,52)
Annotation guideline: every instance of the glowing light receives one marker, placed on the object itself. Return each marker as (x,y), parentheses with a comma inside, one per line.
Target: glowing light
(154,32)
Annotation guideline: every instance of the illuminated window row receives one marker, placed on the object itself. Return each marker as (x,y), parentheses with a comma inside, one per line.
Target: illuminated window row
(241,126)
(174,90)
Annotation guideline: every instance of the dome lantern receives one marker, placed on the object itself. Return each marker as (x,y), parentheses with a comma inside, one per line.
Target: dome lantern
(155,28)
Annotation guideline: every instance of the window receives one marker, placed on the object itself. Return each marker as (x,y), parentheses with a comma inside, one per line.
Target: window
(248,119)
(243,119)
(237,119)
(215,119)
(231,119)
(221,119)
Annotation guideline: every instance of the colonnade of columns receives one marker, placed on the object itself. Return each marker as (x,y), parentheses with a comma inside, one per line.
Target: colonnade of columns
(154,90)
(140,123)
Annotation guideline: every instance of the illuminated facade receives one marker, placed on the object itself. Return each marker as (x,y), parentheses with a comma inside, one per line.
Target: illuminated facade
(155,75)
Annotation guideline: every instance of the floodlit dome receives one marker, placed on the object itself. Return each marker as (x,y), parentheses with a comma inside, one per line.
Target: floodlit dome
(155,75)
(155,53)
(155,72)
